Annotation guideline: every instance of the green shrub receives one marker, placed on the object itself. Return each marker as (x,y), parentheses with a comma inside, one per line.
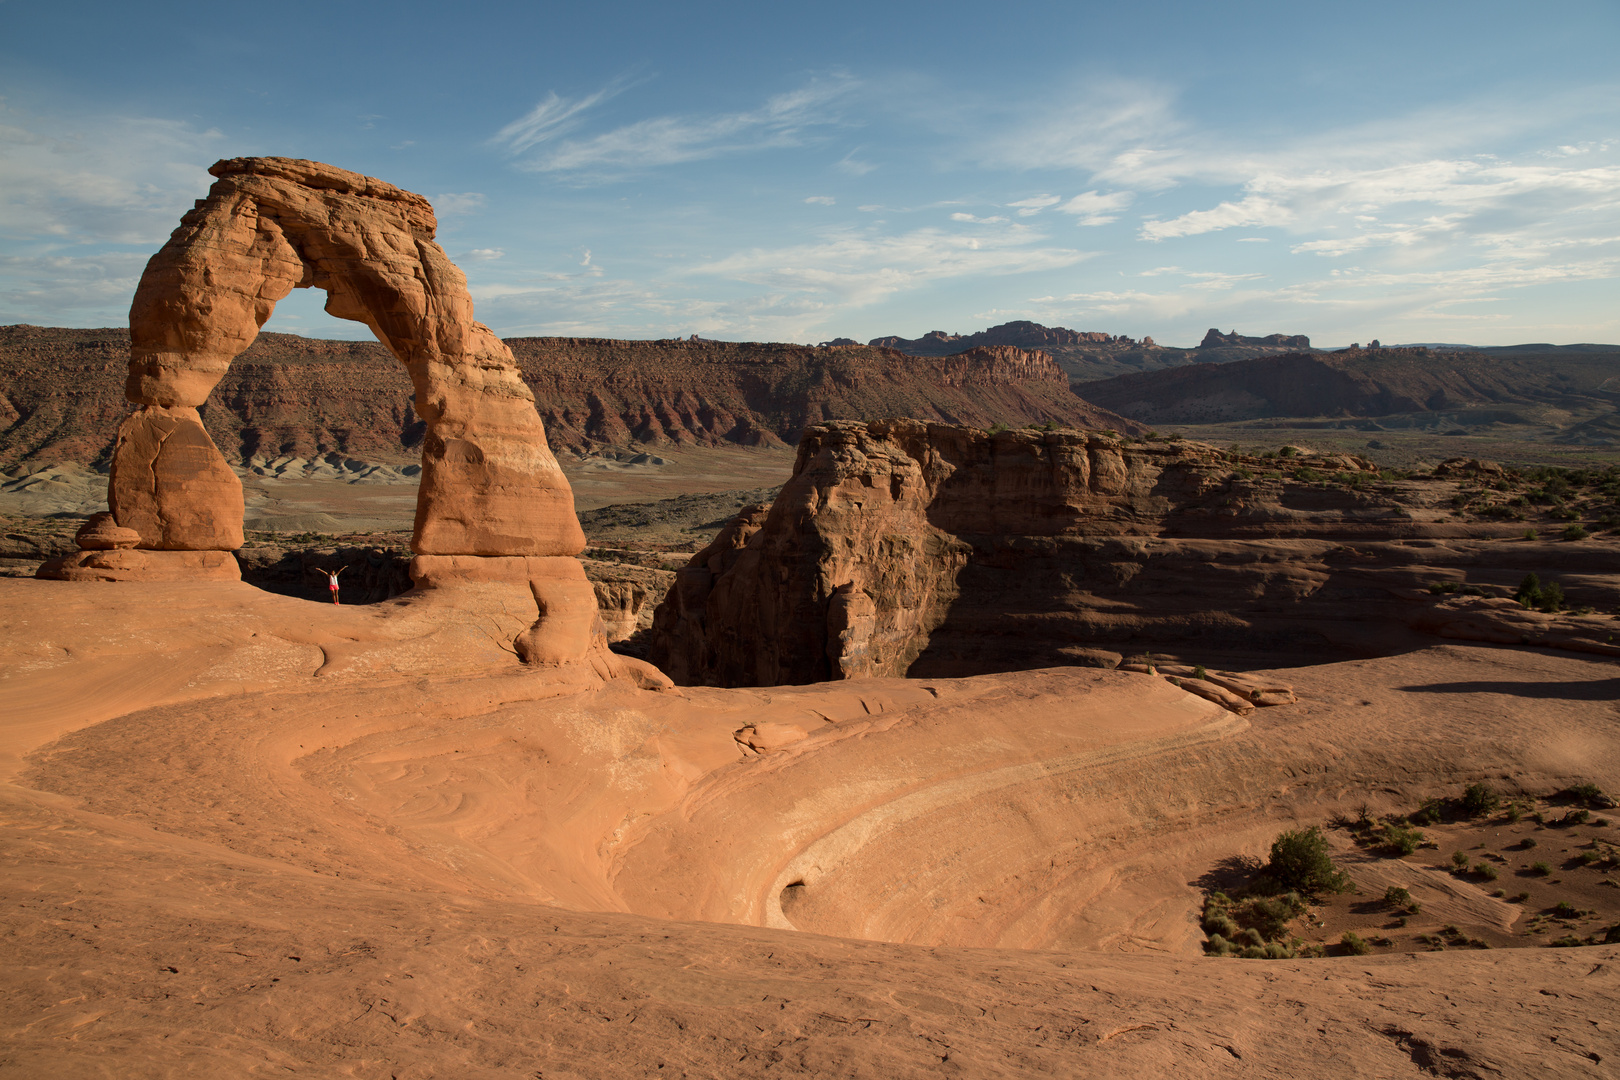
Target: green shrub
(1430,813)
(1485,870)
(1565,910)
(1529,594)
(1402,838)
(1519,899)
(1540,869)
(1199,672)
(1565,942)
(1300,861)
(1574,532)
(1479,800)
(1590,794)
(1530,534)
(1288,451)
(1398,897)
(1354,945)
(1459,859)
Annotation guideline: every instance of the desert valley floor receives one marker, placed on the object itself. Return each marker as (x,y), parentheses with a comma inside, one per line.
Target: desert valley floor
(250,835)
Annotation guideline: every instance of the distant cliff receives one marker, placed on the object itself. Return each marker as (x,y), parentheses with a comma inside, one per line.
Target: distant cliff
(1359,383)
(61,393)
(1027,335)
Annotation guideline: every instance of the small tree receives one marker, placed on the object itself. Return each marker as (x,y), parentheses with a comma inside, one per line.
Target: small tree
(1479,800)
(1529,594)
(1300,861)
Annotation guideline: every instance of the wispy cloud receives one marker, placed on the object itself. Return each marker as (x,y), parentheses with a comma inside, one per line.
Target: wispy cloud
(821,200)
(1093,209)
(554,116)
(1035,204)
(852,165)
(464,202)
(861,267)
(783,120)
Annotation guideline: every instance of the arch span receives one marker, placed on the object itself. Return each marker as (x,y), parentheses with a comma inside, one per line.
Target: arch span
(490,485)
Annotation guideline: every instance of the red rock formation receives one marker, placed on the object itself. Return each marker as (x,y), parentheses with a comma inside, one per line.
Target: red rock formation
(907,548)
(490,485)
(301,397)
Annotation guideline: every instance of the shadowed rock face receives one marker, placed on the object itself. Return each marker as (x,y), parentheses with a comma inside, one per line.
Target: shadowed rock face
(903,548)
(490,486)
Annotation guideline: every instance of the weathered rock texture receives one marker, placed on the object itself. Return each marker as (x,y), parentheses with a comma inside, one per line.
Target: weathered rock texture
(907,548)
(62,396)
(490,485)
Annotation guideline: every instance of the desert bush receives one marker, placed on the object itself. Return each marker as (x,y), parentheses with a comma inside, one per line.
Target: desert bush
(1540,869)
(1287,451)
(1402,838)
(1565,942)
(1519,898)
(1398,897)
(1531,534)
(1588,793)
(1574,817)
(1574,532)
(1300,862)
(1485,870)
(1430,813)
(1439,588)
(1479,800)
(1354,945)
(1459,859)
(1200,672)
(1528,842)
(1566,910)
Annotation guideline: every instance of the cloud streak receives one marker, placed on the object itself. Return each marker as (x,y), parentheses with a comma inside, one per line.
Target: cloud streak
(783,120)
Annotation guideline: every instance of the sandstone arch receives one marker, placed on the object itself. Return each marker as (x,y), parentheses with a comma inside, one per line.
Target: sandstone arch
(490,485)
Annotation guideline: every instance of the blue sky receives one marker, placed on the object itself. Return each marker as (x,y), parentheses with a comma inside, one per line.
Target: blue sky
(1409,172)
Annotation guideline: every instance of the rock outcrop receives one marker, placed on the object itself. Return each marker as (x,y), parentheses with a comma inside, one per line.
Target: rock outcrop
(490,485)
(1214,339)
(902,548)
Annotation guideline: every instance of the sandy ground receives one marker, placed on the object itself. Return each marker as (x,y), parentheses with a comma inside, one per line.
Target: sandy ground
(248,835)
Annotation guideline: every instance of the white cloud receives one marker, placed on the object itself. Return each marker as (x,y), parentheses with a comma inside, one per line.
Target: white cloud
(552,117)
(862,268)
(1254,210)
(121,180)
(1094,209)
(481,255)
(821,200)
(1032,206)
(465,202)
(852,165)
(784,120)
(994,220)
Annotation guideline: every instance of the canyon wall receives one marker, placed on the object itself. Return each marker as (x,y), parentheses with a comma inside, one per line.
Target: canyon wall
(905,548)
(61,394)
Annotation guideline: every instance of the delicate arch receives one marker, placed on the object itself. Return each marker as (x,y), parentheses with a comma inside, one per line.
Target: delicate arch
(490,485)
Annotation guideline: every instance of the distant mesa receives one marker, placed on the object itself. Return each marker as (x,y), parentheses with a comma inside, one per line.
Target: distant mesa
(1215,339)
(1027,335)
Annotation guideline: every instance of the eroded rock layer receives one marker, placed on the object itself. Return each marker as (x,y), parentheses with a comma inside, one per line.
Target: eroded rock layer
(907,548)
(490,485)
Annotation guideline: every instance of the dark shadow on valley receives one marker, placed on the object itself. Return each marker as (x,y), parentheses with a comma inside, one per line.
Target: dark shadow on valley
(1599,690)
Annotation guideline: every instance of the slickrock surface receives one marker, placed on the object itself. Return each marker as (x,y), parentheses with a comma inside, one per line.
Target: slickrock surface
(489,485)
(907,548)
(245,834)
